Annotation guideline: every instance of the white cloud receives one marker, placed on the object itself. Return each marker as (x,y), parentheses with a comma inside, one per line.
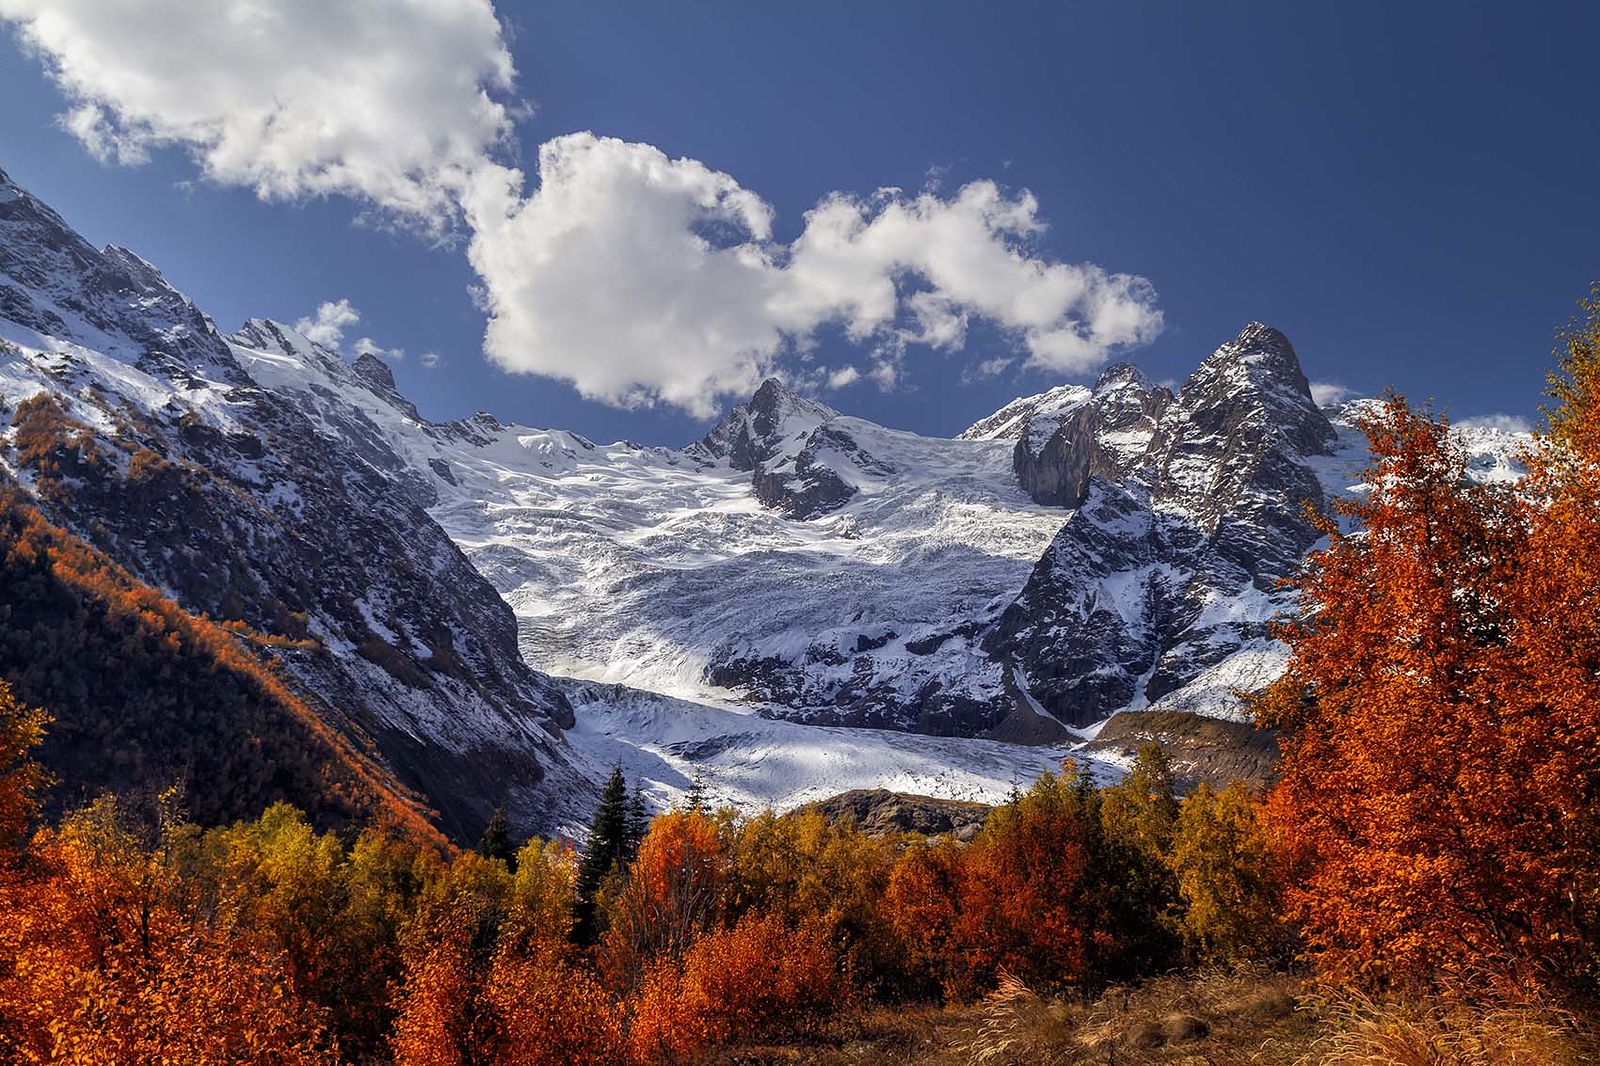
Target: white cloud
(639,278)
(368,346)
(971,253)
(845,375)
(429,359)
(391,101)
(630,275)
(989,368)
(1502,422)
(1324,393)
(327,326)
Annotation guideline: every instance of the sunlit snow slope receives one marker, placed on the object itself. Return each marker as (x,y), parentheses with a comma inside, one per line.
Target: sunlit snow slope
(653,573)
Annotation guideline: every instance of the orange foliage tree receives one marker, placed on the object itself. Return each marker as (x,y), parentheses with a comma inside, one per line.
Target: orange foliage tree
(757,977)
(814,871)
(21,776)
(109,960)
(489,977)
(1040,892)
(673,892)
(1437,804)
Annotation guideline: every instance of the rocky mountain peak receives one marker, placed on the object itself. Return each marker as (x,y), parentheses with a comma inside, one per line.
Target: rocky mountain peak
(56,283)
(775,402)
(375,373)
(1259,358)
(756,431)
(1121,376)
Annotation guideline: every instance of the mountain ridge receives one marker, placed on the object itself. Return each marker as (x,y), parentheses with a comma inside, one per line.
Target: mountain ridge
(509,610)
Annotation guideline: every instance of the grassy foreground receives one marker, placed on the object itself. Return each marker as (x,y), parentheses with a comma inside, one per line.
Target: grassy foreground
(1218,1017)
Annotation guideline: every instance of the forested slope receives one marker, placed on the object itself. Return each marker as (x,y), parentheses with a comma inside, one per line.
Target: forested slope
(146,695)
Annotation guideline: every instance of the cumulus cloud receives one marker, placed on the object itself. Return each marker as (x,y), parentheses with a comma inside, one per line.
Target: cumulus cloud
(327,326)
(429,359)
(845,375)
(391,101)
(368,346)
(1324,393)
(636,277)
(1501,422)
(633,276)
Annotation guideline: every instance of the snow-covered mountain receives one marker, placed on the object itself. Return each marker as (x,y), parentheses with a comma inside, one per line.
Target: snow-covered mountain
(225,495)
(799,603)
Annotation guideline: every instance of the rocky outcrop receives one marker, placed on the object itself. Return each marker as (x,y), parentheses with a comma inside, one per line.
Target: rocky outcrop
(787,442)
(879,812)
(1061,446)
(1214,750)
(1169,566)
(774,422)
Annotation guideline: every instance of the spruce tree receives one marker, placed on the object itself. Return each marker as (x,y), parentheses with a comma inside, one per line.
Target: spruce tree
(695,799)
(638,822)
(495,843)
(605,851)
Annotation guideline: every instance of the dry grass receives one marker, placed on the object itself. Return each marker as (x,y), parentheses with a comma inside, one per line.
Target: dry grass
(1223,1017)
(1220,1017)
(1451,1031)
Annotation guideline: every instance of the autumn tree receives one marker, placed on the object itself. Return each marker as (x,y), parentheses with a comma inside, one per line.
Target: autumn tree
(491,977)
(1041,892)
(1141,810)
(1441,752)
(758,977)
(1140,817)
(21,776)
(446,1016)
(812,871)
(673,892)
(111,956)
(334,911)
(923,901)
(1226,877)
(552,1011)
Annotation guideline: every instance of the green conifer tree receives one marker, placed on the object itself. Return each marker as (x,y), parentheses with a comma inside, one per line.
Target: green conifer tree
(695,799)
(495,843)
(638,822)
(605,852)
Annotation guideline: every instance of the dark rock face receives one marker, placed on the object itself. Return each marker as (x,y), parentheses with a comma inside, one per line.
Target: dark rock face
(883,813)
(1183,503)
(1213,750)
(802,486)
(931,709)
(242,508)
(1058,474)
(1062,444)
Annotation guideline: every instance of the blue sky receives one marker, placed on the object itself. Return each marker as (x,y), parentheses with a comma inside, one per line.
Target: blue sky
(1408,192)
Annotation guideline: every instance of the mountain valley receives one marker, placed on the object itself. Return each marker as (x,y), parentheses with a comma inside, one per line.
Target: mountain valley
(798,604)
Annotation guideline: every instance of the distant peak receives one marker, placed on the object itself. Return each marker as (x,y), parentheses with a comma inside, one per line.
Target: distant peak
(774,399)
(1259,367)
(1258,355)
(1119,375)
(375,372)
(1260,336)
(771,393)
